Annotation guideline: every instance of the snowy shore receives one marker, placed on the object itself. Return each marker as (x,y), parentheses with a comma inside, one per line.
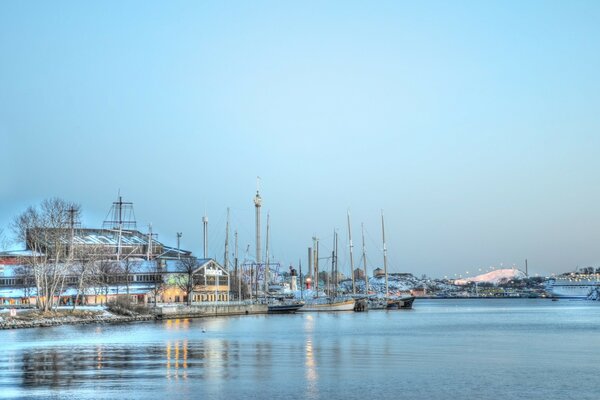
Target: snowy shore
(35,319)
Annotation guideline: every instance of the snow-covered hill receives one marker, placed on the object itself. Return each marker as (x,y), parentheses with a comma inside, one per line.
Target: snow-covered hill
(495,277)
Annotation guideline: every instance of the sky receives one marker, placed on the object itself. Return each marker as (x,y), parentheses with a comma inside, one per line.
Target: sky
(473,125)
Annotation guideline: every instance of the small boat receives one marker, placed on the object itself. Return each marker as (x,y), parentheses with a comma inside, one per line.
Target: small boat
(328,304)
(400,303)
(285,307)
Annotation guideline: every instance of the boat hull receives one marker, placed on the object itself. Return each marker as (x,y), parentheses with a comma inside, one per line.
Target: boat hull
(345,305)
(284,308)
(403,303)
(573,287)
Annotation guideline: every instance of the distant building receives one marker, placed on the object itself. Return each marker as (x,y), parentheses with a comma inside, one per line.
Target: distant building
(359,274)
(377,272)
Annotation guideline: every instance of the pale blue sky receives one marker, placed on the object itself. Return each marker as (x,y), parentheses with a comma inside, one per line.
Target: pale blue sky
(474,124)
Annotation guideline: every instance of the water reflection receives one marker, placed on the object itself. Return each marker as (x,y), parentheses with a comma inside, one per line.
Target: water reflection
(310,364)
(433,352)
(66,366)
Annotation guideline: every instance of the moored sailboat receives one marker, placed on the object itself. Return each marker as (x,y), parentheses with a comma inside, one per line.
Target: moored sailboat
(389,302)
(332,302)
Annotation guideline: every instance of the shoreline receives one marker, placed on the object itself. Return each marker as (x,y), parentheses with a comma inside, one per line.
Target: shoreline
(51,321)
(32,318)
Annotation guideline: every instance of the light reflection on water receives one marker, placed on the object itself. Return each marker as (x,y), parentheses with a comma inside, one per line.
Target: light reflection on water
(468,348)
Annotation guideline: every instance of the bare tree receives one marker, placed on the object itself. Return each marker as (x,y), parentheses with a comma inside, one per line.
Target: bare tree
(127,269)
(158,282)
(25,279)
(103,276)
(185,277)
(47,232)
(85,267)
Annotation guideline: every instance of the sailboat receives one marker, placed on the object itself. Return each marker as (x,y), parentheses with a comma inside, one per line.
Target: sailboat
(394,302)
(332,302)
(276,304)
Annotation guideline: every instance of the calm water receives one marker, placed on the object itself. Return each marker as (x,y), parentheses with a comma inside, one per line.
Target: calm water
(443,349)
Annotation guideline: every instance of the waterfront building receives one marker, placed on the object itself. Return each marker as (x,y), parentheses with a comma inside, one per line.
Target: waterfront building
(142,281)
(97,265)
(103,264)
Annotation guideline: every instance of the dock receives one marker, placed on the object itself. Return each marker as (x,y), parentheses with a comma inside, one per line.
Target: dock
(208,310)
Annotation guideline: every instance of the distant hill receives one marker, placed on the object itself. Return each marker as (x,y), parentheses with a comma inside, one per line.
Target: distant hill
(495,277)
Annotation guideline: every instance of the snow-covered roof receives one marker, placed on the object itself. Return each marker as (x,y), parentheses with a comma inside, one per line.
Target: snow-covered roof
(134,289)
(15,293)
(111,290)
(19,253)
(107,237)
(168,266)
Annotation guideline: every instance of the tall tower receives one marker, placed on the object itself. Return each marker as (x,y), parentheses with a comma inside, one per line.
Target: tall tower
(257,204)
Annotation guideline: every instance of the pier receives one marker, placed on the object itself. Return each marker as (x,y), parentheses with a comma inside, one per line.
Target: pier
(208,310)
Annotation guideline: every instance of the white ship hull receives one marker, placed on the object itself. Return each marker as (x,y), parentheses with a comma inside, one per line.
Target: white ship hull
(573,287)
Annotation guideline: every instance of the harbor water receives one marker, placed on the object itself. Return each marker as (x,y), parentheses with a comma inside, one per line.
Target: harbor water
(442,349)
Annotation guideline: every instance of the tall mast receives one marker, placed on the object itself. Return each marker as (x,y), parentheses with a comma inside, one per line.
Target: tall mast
(300,268)
(149,248)
(123,218)
(235,263)
(205,230)
(364,257)
(351,256)
(120,226)
(267,259)
(226,255)
(385,270)
(310,257)
(331,279)
(257,205)
(335,276)
(316,261)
